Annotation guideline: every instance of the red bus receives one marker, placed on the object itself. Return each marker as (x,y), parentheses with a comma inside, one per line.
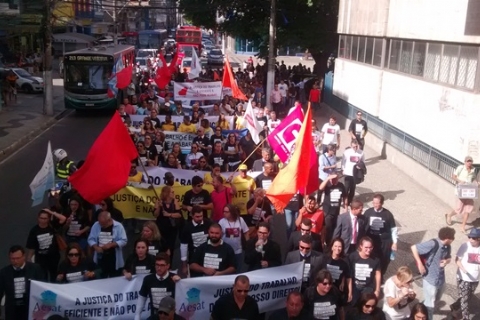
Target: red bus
(188,37)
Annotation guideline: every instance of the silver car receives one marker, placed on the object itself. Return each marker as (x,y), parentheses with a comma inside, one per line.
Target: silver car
(215,56)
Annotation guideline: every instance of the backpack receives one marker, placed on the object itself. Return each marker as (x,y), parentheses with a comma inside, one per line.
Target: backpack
(425,258)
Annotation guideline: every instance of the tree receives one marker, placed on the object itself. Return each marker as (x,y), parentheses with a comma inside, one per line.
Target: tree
(310,24)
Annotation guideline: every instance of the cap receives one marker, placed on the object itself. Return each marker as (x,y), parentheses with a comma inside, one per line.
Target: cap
(474,233)
(468,158)
(167,304)
(168,175)
(243,167)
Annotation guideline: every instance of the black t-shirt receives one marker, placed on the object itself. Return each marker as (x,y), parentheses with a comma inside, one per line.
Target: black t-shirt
(357,127)
(295,203)
(203,142)
(263,209)
(194,236)
(157,246)
(216,257)
(379,224)
(43,241)
(219,158)
(338,268)
(107,261)
(75,273)
(137,266)
(323,307)
(334,195)
(214,138)
(225,308)
(193,199)
(363,270)
(231,158)
(247,146)
(79,221)
(155,122)
(155,289)
(146,155)
(262,181)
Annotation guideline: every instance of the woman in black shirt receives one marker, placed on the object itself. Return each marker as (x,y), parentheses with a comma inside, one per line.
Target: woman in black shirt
(75,267)
(139,262)
(77,224)
(231,150)
(156,243)
(365,309)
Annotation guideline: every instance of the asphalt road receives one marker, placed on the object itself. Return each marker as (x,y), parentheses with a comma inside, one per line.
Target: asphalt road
(75,133)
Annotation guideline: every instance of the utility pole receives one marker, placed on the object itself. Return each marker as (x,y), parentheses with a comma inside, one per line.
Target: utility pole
(271,54)
(47,61)
(114,17)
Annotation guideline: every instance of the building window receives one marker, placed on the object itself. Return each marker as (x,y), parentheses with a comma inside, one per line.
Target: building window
(418,58)
(395,51)
(432,61)
(377,52)
(467,67)
(362,49)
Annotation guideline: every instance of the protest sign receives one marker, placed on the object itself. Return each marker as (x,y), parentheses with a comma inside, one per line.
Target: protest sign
(198,90)
(184,139)
(177,120)
(195,297)
(114,298)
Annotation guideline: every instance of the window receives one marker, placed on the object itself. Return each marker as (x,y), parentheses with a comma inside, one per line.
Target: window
(361,49)
(405,57)
(467,67)
(394,59)
(432,61)
(418,58)
(449,62)
(369,50)
(377,52)
(354,48)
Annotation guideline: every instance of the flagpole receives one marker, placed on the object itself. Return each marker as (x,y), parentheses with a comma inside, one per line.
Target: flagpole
(243,162)
(148,177)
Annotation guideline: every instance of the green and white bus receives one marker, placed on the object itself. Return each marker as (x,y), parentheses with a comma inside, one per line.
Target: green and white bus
(87,74)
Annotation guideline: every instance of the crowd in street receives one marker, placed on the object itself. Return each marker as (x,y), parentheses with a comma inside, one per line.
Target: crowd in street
(346,251)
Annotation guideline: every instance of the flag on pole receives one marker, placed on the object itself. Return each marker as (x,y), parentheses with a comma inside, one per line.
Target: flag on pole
(228,81)
(295,176)
(44,179)
(251,123)
(163,75)
(107,165)
(196,66)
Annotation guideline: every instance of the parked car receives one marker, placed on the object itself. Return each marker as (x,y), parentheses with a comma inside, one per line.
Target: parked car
(215,57)
(25,82)
(206,49)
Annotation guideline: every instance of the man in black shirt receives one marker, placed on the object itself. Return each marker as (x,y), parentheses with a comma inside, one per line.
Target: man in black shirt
(213,258)
(238,304)
(265,179)
(305,229)
(335,197)
(195,233)
(14,283)
(202,141)
(157,286)
(261,252)
(197,197)
(293,310)
(166,310)
(358,130)
(218,157)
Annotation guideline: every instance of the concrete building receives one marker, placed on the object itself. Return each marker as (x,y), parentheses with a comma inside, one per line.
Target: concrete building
(412,66)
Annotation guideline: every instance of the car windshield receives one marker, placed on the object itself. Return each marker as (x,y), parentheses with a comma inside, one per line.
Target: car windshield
(142,62)
(145,53)
(216,52)
(22,73)
(187,63)
(88,79)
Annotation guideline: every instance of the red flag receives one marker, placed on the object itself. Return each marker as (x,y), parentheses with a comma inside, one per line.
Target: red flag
(124,77)
(294,177)
(229,82)
(216,77)
(164,74)
(173,64)
(107,165)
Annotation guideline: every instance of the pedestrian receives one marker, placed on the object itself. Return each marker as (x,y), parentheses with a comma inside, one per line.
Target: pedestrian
(419,312)
(314,97)
(327,162)
(382,229)
(166,310)
(352,157)
(365,309)
(305,228)
(436,255)
(351,226)
(262,252)
(294,308)
(465,173)
(15,283)
(358,130)
(330,134)
(237,304)
(335,197)
(398,293)
(313,213)
(468,262)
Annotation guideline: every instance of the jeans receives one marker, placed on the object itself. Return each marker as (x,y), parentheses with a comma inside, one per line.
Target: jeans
(431,294)
(290,217)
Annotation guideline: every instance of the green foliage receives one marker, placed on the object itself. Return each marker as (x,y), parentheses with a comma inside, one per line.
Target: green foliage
(309,24)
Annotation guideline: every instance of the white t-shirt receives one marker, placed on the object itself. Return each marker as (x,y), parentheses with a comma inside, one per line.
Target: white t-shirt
(283,89)
(192,159)
(232,233)
(317,138)
(399,311)
(330,133)
(350,159)
(470,258)
(272,125)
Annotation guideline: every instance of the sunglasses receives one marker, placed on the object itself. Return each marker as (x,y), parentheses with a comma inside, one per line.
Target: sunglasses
(163,313)
(242,291)
(160,265)
(474,238)
(203,161)
(305,230)
(199,185)
(305,248)
(369,306)
(326,283)
(74,254)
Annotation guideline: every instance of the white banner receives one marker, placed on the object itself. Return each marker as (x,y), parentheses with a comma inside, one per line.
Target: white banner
(177,120)
(184,139)
(114,298)
(198,90)
(44,179)
(184,177)
(195,297)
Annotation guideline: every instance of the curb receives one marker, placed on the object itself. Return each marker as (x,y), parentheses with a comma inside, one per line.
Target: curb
(5,153)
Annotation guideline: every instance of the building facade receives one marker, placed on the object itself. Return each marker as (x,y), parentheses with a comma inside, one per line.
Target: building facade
(413,67)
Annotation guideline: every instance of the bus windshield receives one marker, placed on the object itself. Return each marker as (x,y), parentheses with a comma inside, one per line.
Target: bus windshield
(87,79)
(149,41)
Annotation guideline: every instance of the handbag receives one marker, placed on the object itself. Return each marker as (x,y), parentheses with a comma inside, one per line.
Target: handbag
(61,243)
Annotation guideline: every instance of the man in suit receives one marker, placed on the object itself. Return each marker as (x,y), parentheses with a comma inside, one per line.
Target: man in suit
(262,252)
(305,229)
(312,258)
(351,226)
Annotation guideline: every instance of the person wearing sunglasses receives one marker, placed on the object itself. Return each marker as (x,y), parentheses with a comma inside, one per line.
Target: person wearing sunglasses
(166,310)
(194,156)
(156,286)
(365,309)
(398,293)
(262,252)
(305,229)
(294,308)
(237,304)
(324,301)
(76,267)
(202,141)
(468,263)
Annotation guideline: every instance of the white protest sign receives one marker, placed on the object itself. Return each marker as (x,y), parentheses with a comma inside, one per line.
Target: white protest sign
(195,297)
(114,298)
(198,90)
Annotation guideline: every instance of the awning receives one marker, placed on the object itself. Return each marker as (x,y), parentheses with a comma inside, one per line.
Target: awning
(71,37)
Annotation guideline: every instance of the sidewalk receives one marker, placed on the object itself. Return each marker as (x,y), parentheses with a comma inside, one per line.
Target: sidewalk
(418,214)
(24,119)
